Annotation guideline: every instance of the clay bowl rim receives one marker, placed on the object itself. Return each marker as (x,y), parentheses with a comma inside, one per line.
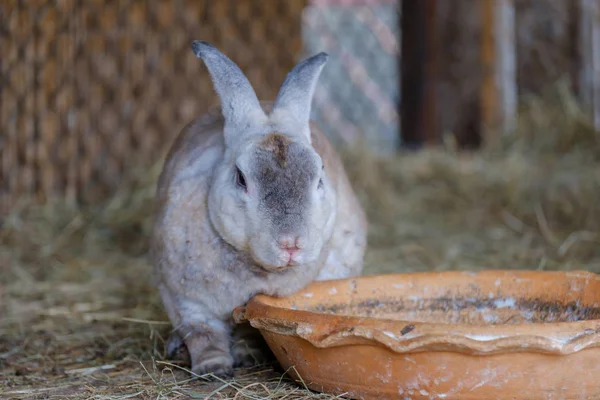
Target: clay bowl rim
(323,330)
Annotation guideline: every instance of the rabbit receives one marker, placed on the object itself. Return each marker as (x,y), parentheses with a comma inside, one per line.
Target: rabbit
(252,199)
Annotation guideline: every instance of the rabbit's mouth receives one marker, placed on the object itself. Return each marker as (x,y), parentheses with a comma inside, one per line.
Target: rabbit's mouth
(290,264)
(279,259)
(280,268)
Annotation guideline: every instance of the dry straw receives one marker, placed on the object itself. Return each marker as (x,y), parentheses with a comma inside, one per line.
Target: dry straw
(80,320)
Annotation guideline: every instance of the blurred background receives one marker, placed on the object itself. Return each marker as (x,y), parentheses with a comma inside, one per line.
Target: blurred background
(469,129)
(92,89)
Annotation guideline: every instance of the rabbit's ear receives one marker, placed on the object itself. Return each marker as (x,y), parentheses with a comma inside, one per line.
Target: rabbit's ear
(293,103)
(240,106)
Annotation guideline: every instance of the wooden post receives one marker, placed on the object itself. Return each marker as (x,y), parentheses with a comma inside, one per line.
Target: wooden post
(498,58)
(418,71)
(588,68)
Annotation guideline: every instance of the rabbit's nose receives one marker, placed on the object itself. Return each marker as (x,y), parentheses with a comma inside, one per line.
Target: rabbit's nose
(289,242)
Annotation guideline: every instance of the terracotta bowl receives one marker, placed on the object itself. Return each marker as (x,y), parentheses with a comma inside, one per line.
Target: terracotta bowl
(448,335)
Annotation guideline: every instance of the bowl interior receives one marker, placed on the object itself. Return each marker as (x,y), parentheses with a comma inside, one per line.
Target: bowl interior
(484,298)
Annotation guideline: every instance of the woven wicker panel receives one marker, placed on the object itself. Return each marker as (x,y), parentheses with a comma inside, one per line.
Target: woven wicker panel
(91,88)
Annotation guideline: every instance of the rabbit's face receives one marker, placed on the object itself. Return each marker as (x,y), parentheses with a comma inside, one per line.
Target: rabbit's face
(274,201)
(270,195)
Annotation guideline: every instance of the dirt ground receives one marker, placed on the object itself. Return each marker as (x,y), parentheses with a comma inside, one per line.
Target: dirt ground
(78,318)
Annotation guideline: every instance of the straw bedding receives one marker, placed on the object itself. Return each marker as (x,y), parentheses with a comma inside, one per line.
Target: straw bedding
(78,318)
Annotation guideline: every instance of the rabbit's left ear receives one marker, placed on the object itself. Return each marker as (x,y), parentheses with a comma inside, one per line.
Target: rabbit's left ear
(291,110)
(240,107)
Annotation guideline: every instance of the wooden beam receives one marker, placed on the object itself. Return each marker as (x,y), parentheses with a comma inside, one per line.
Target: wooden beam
(419,73)
(588,66)
(498,57)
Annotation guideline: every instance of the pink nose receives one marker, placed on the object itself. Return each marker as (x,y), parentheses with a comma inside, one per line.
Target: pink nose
(289,243)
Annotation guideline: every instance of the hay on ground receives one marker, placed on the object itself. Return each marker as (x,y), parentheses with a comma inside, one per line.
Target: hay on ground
(79,321)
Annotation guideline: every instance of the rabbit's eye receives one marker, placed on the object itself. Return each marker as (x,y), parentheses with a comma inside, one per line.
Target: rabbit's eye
(239,178)
(320,185)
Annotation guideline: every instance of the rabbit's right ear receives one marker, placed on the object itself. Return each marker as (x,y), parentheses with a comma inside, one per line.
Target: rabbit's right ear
(293,103)
(240,106)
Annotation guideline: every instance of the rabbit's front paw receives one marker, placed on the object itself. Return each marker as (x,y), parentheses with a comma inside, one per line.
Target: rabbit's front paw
(209,352)
(249,356)
(176,349)
(249,348)
(219,364)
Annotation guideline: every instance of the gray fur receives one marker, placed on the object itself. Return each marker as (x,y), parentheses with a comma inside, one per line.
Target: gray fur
(217,243)
(296,93)
(240,106)
(285,191)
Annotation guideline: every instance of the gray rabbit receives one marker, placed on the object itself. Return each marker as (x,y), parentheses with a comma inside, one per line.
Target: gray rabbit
(252,199)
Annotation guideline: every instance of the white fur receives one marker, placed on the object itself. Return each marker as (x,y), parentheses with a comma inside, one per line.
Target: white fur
(211,250)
